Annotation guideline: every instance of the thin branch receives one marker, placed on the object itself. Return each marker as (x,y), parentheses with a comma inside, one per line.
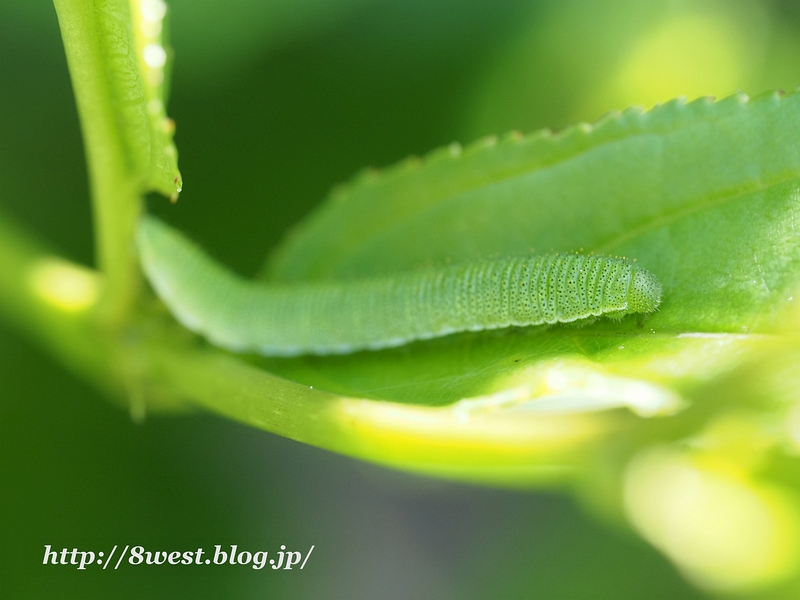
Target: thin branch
(52,300)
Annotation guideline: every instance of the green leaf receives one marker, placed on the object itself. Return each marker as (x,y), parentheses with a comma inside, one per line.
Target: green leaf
(140,100)
(704,195)
(155,60)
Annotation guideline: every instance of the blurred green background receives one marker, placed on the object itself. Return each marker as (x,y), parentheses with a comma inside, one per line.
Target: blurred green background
(275,102)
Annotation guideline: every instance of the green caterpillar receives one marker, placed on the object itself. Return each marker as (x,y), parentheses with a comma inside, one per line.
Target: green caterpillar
(336,317)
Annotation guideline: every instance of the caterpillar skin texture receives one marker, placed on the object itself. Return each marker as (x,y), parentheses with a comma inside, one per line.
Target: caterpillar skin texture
(340,317)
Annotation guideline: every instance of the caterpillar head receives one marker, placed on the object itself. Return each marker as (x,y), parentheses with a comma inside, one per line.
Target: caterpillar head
(644,293)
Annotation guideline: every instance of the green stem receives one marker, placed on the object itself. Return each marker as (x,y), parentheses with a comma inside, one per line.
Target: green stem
(50,299)
(40,295)
(114,185)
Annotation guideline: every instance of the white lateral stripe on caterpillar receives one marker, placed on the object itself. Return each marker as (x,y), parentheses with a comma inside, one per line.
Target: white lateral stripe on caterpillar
(336,317)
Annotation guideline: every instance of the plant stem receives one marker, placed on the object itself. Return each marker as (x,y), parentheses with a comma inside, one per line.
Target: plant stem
(115,188)
(50,299)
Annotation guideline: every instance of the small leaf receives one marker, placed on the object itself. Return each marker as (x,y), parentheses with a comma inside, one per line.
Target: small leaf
(136,61)
(155,58)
